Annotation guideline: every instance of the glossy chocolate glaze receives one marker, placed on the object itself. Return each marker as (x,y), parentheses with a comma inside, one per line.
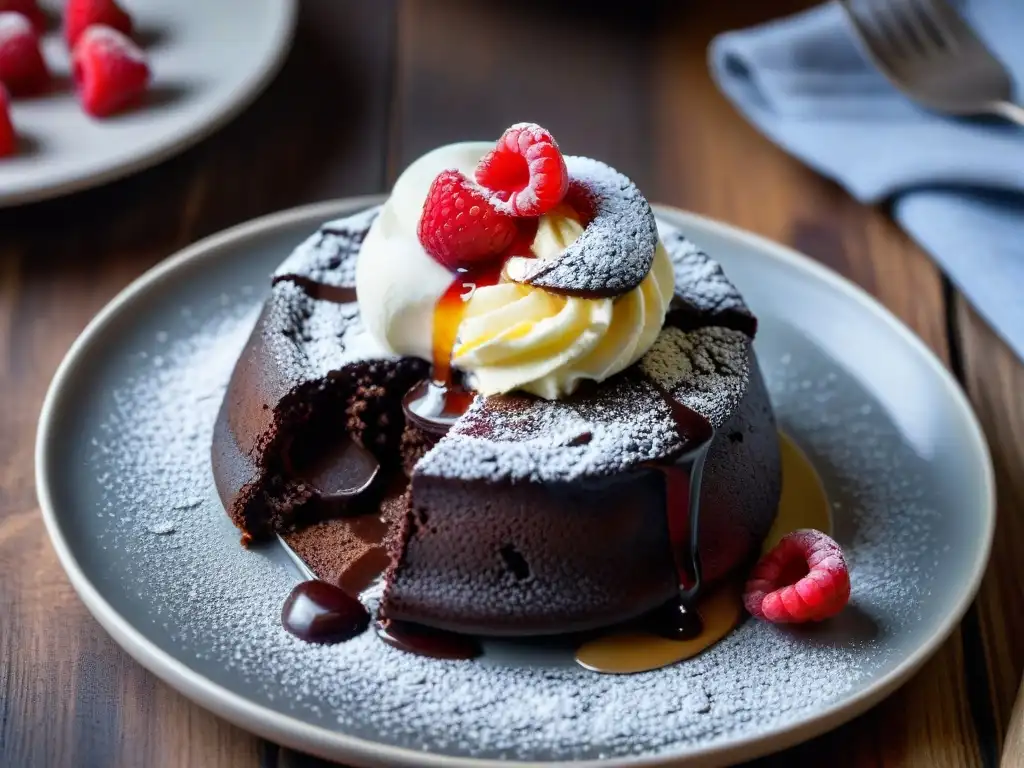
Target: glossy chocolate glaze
(678,618)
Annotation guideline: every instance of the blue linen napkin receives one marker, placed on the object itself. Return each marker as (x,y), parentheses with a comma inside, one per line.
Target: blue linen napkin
(956,185)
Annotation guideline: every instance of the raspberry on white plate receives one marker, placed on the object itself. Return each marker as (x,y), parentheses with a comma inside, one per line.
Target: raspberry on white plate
(110,71)
(803,578)
(79,15)
(22,68)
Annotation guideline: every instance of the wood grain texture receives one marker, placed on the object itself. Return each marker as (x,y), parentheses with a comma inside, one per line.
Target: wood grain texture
(68,694)
(994,379)
(369,87)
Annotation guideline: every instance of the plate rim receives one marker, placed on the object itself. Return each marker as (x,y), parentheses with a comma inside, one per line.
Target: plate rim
(325,742)
(240,98)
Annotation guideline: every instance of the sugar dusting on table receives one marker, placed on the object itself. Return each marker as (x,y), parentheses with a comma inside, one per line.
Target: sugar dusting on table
(217,606)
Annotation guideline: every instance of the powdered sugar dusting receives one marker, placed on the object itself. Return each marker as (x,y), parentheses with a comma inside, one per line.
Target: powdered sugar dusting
(329,255)
(175,564)
(626,421)
(216,606)
(307,338)
(706,370)
(621,424)
(519,438)
(616,250)
(112,42)
(700,281)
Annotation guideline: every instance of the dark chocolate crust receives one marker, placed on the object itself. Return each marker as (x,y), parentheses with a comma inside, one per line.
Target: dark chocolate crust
(531,516)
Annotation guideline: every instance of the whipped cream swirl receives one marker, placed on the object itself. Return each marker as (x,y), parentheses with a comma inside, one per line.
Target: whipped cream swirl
(512,336)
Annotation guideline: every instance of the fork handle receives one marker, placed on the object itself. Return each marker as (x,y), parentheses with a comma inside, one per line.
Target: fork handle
(1012,112)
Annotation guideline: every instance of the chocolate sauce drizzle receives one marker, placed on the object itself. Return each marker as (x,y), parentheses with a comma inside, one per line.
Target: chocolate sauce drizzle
(319,612)
(678,619)
(427,641)
(435,404)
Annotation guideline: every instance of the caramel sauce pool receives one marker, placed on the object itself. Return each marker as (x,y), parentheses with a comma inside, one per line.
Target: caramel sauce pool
(802,504)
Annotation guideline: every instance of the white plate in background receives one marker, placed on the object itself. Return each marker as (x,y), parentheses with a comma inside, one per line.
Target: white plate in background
(210,58)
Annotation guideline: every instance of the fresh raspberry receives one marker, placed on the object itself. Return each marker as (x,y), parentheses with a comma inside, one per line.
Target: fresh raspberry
(22,68)
(109,70)
(79,15)
(8,138)
(459,226)
(526,171)
(804,578)
(29,9)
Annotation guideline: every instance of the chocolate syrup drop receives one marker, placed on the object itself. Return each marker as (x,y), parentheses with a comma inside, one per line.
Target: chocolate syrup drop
(803,505)
(434,407)
(318,612)
(678,619)
(427,641)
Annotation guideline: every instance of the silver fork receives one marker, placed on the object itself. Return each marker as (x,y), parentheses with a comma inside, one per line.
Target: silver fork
(931,54)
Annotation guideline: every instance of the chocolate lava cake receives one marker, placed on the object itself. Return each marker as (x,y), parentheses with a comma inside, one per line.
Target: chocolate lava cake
(530,516)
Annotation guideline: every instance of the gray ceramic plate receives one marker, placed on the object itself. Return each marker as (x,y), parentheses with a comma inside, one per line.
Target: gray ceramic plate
(127,495)
(209,60)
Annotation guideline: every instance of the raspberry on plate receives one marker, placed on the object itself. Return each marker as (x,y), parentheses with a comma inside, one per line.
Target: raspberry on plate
(8,138)
(459,226)
(22,67)
(79,15)
(109,70)
(804,578)
(29,9)
(526,171)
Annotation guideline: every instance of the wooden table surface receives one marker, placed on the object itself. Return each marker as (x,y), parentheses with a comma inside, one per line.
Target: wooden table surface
(367,88)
